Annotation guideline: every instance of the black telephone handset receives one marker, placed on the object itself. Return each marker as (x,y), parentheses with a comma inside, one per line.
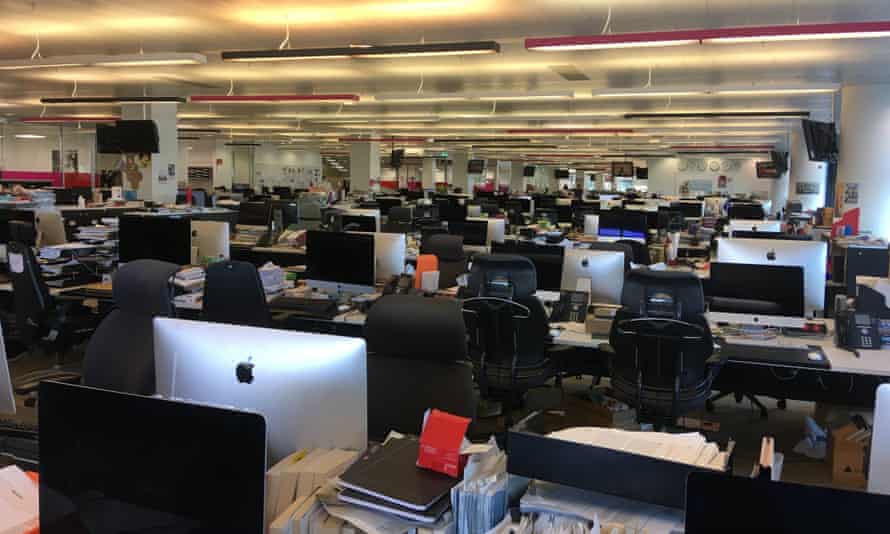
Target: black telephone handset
(857,331)
(571,307)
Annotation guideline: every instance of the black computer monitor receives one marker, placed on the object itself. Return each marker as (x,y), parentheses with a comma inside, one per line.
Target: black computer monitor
(635,224)
(548,260)
(564,213)
(147,464)
(283,192)
(690,210)
(526,204)
(340,257)
(68,196)
(9,215)
(548,214)
(475,233)
(255,213)
(746,211)
(757,289)
(285,213)
(358,223)
(155,237)
(611,223)
(490,208)
(544,201)
(719,502)
(670,220)
(426,212)
(387,203)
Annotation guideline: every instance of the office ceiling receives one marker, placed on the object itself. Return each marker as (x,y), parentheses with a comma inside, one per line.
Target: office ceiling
(210,26)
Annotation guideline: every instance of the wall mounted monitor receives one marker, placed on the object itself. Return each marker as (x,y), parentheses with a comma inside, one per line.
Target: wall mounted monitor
(623,169)
(476,166)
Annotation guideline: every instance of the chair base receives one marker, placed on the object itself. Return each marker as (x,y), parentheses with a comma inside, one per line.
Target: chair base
(764,413)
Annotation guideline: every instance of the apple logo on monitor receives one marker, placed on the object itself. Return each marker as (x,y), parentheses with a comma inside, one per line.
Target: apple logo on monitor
(771,255)
(244,372)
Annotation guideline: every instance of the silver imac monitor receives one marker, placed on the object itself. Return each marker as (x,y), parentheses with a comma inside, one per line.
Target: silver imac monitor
(812,256)
(879,465)
(211,238)
(389,255)
(7,396)
(604,269)
(311,388)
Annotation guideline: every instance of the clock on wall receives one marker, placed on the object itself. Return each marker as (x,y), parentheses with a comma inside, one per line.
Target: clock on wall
(683,165)
(726,165)
(700,165)
(714,165)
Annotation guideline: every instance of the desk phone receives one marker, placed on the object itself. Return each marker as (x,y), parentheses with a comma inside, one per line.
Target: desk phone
(860,331)
(571,308)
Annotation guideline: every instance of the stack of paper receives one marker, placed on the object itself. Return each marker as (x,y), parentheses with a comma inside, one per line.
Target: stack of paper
(480,501)
(273,278)
(190,280)
(690,448)
(18,501)
(97,234)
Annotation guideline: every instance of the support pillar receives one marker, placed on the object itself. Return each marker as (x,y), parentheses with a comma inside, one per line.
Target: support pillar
(460,178)
(428,174)
(154,178)
(364,165)
(517,176)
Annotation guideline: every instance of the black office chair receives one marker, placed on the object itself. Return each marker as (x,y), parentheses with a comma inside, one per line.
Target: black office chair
(41,321)
(508,329)
(234,294)
(449,249)
(640,251)
(120,355)
(417,354)
(399,220)
(662,360)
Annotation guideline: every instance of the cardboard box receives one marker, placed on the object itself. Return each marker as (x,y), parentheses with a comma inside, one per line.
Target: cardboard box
(847,458)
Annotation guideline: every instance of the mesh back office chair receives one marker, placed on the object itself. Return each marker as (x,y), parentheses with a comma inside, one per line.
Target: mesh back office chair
(234,294)
(42,322)
(120,355)
(640,251)
(662,362)
(416,361)
(449,249)
(508,328)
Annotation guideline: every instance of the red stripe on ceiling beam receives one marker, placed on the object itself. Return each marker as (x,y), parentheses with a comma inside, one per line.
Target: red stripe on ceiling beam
(68,119)
(703,35)
(383,139)
(275,98)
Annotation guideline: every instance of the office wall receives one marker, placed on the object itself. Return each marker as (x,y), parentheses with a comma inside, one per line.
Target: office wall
(33,157)
(668,175)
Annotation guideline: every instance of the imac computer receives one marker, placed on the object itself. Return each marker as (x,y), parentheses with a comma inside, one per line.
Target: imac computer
(476,232)
(358,223)
(752,225)
(255,214)
(389,255)
(7,396)
(285,213)
(548,260)
(812,256)
(375,213)
(690,209)
(605,270)
(211,239)
(879,464)
(757,295)
(496,231)
(340,263)
(155,237)
(147,464)
(311,388)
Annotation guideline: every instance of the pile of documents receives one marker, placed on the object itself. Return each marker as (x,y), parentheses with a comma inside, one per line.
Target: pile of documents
(479,503)
(100,233)
(292,503)
(273,278)
(190,280)
(691,448)
(18,501)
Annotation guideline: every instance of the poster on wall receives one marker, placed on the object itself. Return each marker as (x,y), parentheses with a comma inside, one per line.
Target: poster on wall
(808,188)
(851,193)
(200,178)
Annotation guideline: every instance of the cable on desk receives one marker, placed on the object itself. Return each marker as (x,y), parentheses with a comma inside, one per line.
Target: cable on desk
(794,374)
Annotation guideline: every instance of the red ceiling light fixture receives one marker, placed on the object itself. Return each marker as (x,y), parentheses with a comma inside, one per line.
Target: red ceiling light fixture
(283,99)
(744,34)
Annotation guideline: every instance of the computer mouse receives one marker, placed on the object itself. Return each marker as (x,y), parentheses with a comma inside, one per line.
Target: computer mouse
(815,356)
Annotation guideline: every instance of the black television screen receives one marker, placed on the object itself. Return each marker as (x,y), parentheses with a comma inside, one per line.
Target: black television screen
(107,141)
(396,158)
(642,173)
(528,172)
(623,169)
(780,160)
(821,138)
(138,137)
(476,166)
(767,169)
(562,174)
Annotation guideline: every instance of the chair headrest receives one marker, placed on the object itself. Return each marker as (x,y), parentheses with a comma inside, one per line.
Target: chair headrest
(414,327)
(445,247)
(503,275)
(143,287)
(672,295)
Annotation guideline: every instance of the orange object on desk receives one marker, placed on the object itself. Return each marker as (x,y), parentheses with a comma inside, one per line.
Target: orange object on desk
(425,263)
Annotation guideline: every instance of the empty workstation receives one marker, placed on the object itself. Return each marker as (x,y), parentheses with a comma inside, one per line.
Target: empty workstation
(447,267)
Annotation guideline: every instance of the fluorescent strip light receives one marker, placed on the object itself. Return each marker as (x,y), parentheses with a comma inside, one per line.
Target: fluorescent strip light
(123,60)
(369,52)
(113,100)
(37,64)
(29,136)
(566,44)
(274,99)
(646,93)
(488,97)
(719,114)
(776,91)
(485,96)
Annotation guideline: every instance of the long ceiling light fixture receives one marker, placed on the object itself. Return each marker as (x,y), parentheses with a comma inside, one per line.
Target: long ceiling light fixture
(483,96)
(124,60)
(67,119)
(113,100)
(792,32)
(718,91)
(388,51)
(274,99)
(719,115)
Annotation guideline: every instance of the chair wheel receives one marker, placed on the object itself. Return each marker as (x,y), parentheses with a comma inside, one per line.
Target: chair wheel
(782,404)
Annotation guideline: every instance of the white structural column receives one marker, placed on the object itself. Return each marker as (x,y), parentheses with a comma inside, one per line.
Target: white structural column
(804,171)
(428,173)
(364,165)
(551,182)
(865,129)
(460,178)
(157,180)
(517,176)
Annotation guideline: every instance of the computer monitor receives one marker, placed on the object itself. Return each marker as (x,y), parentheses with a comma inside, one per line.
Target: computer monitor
(526,203)
(255,213)
(879,464)
(340,262)
(604,270)
(283,192)
(671,220)
(155,237)
(489,208)
(311,388)
(9,215)
(545,202)
(611,223)
(771,235)
(285,213)
(7,396)
(357,223)
(115,462)
(548,214)
(753,225)
(389,255)
(564,213)
(720,502)
(476,233)
(812,256)
(426,212)
(634,224)
(757,289)
(746,211)
(211,238)
(388,203)
(690,210)
(548,260)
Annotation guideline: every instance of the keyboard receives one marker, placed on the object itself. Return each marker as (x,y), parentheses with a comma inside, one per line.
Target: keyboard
(776,355)
(10,428)
(306,307)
